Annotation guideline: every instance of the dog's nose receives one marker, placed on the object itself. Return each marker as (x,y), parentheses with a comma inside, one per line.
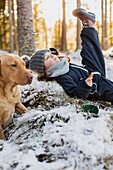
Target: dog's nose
(30,77)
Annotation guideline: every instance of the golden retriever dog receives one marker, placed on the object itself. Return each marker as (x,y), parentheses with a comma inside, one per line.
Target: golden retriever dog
(12,74)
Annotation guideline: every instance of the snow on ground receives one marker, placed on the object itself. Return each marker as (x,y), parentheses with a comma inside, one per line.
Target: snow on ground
(3,52)
(55,134)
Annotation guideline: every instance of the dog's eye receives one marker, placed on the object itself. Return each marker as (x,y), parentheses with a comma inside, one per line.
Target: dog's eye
(14,65)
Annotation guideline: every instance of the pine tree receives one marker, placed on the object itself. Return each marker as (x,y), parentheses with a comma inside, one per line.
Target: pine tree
(10,26)
(63,39)
(78,28)
(26,41)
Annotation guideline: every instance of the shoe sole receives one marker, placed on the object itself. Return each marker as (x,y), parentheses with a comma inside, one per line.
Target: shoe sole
(82,14)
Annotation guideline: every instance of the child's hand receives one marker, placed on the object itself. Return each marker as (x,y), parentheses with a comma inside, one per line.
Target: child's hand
(89,80)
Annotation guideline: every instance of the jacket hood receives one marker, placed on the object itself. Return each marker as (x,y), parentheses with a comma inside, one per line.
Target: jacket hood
(58,69)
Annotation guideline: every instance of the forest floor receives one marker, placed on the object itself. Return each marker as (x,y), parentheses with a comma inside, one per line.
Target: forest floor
(55,133)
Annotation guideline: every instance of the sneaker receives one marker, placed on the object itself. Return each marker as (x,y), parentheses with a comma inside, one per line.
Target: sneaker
(82,14)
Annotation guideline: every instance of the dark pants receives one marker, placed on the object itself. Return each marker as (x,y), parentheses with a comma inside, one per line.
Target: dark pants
(92,56)
(93,59)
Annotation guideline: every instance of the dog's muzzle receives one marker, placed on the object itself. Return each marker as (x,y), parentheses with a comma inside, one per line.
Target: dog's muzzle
(30,78)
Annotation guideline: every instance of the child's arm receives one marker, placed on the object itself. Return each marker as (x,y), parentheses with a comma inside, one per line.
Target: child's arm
(80,90)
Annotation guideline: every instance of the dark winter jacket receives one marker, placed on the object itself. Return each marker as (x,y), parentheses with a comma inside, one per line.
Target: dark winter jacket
(72,78)
(74,83)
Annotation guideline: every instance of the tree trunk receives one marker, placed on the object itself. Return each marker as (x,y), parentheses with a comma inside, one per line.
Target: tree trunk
(103,24)
(26,43)
(14,27)
(59,33)
(78,28)
(0,33)
(45,34)
(111,39)
(10,27)
(4,29)
(63,39)
(106,30)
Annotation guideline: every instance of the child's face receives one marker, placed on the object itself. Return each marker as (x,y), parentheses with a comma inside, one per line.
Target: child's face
(50,60)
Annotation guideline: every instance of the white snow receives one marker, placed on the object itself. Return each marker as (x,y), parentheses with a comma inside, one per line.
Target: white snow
(58,138)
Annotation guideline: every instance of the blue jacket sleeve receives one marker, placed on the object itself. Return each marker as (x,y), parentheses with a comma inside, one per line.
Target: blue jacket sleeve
(80,90)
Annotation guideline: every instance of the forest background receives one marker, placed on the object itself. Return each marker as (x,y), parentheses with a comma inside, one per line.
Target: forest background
(29,25)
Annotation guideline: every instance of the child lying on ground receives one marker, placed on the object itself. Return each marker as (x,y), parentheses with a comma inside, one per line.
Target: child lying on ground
(76,80)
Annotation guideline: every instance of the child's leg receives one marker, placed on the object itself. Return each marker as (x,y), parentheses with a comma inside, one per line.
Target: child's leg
(91,53)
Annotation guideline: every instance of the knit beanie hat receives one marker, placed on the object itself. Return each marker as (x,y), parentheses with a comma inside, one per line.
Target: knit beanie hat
(36,63)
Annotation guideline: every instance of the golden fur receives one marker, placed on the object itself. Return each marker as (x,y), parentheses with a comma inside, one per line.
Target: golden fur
(12,74)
